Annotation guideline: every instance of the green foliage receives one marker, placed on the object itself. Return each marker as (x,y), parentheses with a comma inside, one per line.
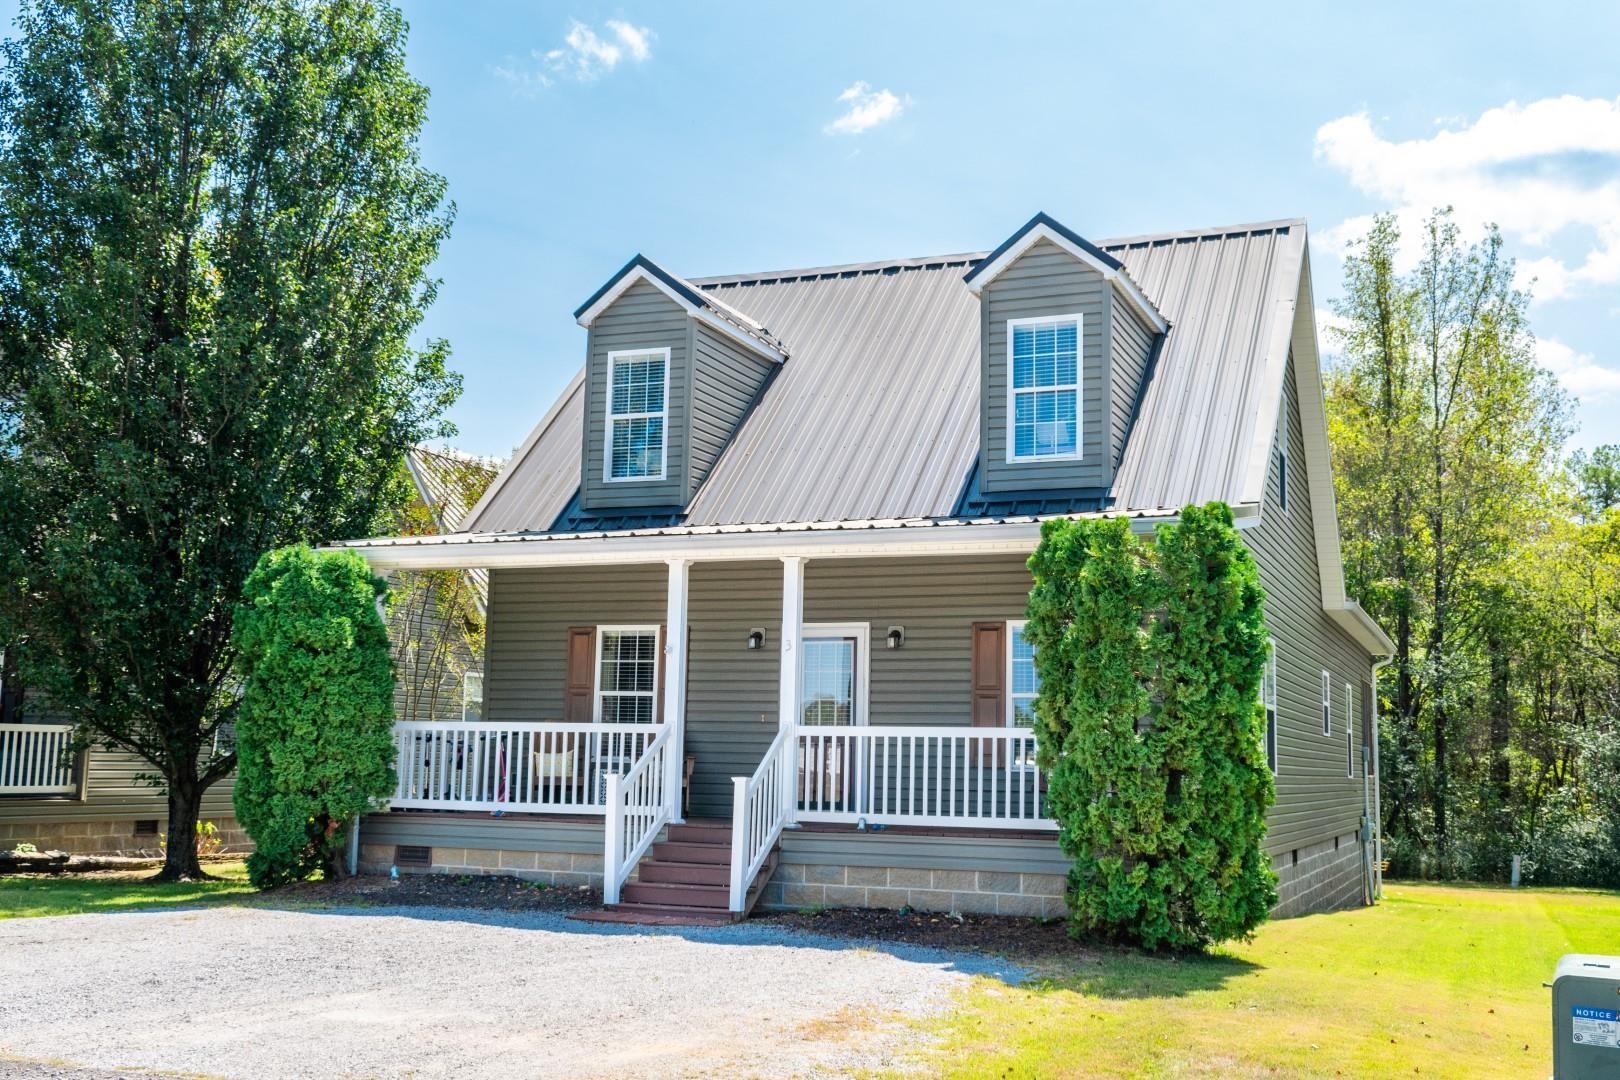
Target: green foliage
(315,733)
(215,241)
(1149,726)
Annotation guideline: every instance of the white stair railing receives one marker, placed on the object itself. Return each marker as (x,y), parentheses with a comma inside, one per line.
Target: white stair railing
(758,812)
(637,808)
(534,767)
(929,776)
(34,759)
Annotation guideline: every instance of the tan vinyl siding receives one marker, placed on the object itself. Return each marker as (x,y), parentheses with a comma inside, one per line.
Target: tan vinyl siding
(1046,280)
(725,380)
(643,318)
(113,793)
(1132,346)
(963,850)
(1315,800)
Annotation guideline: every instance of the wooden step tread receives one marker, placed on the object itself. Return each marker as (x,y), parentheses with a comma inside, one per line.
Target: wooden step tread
(654,915)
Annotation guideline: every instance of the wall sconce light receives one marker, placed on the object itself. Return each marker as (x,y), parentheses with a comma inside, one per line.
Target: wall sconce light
(897,636)
(756,638)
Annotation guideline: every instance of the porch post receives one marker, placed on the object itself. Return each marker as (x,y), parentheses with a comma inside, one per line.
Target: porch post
(675,684)
(787,695)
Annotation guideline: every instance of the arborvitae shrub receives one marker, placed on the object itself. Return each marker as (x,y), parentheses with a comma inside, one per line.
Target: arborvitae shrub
(1150,728)
(314,735)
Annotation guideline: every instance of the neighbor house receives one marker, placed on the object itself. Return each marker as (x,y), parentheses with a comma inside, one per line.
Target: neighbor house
(96,802)
(757,578)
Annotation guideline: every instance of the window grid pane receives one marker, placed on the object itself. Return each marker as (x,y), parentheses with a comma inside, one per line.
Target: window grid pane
(629,677)
(636,413)
(1045,379)
(829,681)
(1024,682)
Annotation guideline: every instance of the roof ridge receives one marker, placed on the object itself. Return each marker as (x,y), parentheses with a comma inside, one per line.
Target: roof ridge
(1274,225)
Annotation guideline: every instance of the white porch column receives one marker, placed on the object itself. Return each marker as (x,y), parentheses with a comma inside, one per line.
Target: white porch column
(675,636)
(787,695)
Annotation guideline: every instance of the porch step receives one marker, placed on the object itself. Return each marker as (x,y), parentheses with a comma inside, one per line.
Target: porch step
(684,880)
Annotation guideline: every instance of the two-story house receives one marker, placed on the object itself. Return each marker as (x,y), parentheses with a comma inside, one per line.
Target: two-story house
(756,580)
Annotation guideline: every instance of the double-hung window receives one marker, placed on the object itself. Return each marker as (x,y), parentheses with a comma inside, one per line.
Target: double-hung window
(627,674)
(1043,388)
(472,696)
(1268,697)
(637,415)
(1023,685)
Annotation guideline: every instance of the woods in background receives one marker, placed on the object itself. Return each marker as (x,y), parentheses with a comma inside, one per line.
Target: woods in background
(1492,563)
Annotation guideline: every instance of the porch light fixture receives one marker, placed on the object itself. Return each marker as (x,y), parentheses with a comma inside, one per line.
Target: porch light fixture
(756,638)
(897,636)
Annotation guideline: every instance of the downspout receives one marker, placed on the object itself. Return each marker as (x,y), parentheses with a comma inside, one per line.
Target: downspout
(1377,788)
(354,846)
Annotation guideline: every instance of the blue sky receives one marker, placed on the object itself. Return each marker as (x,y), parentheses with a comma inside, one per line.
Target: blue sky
(708,137)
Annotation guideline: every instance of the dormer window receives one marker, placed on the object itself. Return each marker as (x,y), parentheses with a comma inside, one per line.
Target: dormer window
(1043,394)
(637,415)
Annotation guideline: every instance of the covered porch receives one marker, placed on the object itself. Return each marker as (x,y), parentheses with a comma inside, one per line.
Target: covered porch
(831,683)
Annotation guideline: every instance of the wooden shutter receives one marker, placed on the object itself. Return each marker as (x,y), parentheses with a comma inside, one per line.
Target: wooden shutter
(658,686)
(579,693)
(1368,726)
(989,674)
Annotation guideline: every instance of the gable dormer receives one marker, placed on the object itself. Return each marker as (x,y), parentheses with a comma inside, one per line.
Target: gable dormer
(1065,338)
(669,373)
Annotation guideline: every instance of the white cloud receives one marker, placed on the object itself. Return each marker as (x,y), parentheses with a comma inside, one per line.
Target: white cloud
(1548,173)
(584,56)
(1578,372)
(866,109)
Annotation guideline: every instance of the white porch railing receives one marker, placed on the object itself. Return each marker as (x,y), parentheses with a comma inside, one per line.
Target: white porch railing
(957,776)
(758,811)
(535,768)
(34,759)
(638,805)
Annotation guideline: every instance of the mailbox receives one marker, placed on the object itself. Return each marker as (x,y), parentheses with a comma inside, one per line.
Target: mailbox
(1586,1018)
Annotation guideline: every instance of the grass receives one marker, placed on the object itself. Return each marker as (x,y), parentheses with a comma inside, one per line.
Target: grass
(1436,981)
(26,895)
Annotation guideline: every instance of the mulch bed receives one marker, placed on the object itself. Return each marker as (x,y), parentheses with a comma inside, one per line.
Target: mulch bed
(1000,935)
(441,890)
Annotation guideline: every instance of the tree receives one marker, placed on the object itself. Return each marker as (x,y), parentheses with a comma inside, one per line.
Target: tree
(215,234)
(1597,479)
(1445,437)
(315,746)
(1149,726)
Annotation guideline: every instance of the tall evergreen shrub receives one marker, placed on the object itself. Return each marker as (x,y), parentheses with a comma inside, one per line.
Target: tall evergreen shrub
(1149,726)
(314,737)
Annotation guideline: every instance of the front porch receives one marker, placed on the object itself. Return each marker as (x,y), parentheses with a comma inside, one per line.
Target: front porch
(839,675)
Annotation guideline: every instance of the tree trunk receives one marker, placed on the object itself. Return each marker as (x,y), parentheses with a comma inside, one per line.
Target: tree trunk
(180,855)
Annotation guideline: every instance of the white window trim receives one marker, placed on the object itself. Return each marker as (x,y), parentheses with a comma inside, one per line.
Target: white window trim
(1079,321)
(596,674)
(1007,669)
(862,633)
(610,416)
(467,679)
(1327,704)
(1272,732)
(1349,730)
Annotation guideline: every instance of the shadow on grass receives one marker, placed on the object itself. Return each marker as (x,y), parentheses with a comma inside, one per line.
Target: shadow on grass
(31,895)
(1125,975)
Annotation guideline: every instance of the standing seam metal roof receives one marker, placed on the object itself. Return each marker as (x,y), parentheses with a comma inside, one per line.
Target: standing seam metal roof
(876,413)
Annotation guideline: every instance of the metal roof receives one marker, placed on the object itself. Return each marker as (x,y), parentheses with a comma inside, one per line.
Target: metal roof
(876,415)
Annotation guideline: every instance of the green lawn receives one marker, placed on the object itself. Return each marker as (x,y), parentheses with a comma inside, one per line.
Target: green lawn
(24,895)
(1434,981)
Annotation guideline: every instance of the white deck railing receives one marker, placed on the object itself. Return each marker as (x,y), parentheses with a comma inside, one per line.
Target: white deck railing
(536,768)
(759,807)
(637,808)
(34,759)
(954,776)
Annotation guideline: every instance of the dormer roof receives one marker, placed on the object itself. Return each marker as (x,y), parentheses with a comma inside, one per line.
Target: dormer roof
(1044,227)
(695,301)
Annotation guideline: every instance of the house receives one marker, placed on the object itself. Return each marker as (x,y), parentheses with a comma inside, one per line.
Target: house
(756,579)
(436,617)
(94,802)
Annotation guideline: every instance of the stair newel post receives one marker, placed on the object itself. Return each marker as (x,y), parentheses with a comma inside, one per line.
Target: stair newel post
(613,839)
(739,840)
(788,689)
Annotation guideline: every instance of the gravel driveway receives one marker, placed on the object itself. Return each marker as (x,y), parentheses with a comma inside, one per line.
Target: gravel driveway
(427,992)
